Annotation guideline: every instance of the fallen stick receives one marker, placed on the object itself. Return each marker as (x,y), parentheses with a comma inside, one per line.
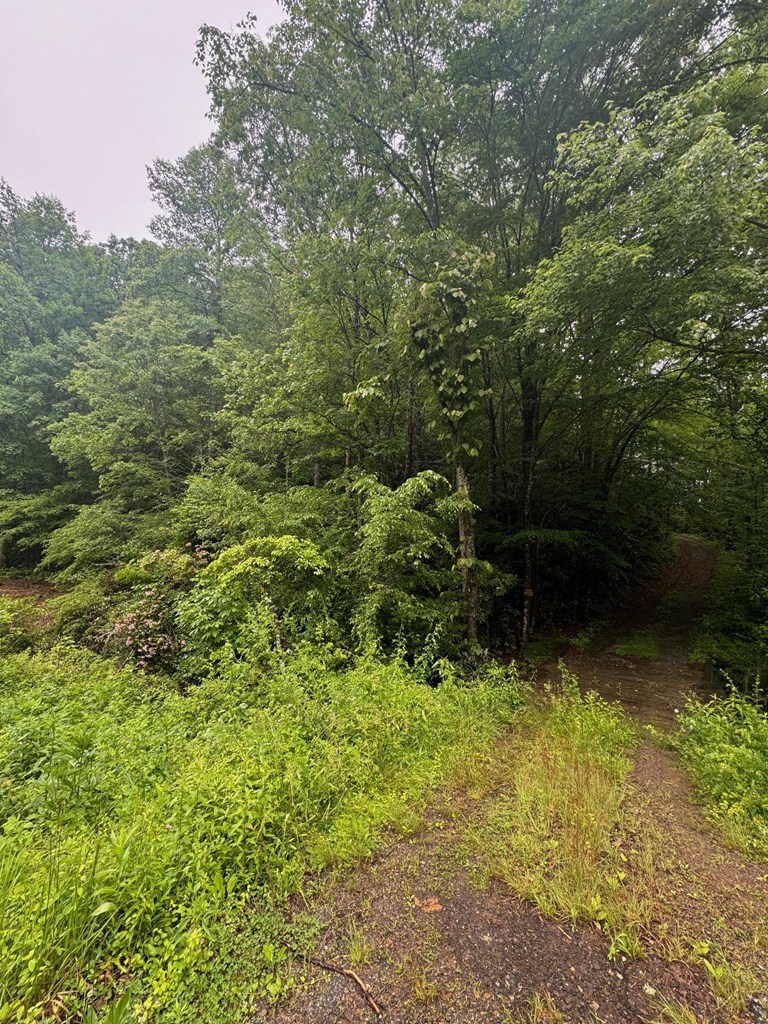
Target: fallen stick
(345,972)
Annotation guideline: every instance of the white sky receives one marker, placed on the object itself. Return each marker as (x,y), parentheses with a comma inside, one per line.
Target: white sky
(91,91)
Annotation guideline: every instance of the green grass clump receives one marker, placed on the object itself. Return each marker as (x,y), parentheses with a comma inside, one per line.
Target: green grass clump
(642,644)
(556,834)
(724,745)
(141,827)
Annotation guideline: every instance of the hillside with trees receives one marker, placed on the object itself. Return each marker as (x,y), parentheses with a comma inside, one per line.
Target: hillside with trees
(453,327)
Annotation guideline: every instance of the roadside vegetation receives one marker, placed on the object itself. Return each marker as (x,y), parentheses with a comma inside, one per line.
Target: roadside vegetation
(453,323)
(556,832)
(724,745)
(136,818)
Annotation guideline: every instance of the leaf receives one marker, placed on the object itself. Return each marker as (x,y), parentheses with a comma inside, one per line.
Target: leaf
(430,905)
(104,908)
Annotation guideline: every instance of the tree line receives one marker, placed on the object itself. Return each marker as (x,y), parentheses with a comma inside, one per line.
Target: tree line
(457,314)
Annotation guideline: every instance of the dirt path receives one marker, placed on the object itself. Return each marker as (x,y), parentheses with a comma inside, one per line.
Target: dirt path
(437,947)
(26,589)
(483,957)
(651,688)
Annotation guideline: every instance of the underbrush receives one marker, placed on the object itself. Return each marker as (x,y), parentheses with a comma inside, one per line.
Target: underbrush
(16,624)
(556,832)
(146,832)
(733,635)
(724,745)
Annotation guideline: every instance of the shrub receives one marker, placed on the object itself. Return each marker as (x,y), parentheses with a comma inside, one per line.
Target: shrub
(16,627)
(143,623)
(724,745)
(252,599)
(404,565)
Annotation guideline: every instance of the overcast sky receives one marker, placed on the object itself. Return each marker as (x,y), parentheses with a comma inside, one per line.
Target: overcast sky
(91,91)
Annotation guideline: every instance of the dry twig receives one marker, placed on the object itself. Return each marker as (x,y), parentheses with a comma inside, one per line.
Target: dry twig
(345,972)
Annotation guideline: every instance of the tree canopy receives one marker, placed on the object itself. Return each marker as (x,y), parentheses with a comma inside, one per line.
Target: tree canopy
(469,297)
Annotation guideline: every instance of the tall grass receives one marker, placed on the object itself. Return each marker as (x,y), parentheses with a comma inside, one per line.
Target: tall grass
(134,817)
(556,832)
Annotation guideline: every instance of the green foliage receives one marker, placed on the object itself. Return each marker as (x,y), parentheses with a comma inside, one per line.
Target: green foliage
(100,537)
(16,624)
(216,510)
(724,745)
(252,600)
(733,634)
(80,612)
(136,818)
(151,389)
(404,566)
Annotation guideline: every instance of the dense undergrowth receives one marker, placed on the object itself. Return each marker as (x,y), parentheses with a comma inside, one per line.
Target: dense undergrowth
(724,745)
(733,635)
(137,818)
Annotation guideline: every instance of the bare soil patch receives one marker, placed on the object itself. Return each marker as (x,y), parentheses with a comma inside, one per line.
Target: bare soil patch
(26,589)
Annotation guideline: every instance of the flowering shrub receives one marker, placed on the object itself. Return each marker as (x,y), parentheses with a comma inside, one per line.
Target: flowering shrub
(144,626)
(145,630)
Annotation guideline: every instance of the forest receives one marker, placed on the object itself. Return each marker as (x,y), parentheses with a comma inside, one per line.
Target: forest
(450,340)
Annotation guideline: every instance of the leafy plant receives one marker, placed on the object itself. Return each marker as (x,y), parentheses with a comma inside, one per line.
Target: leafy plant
(16,624)
(724,745)
(136,818)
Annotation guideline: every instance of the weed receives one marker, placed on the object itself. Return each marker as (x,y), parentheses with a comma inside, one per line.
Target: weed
(16,624)
(360,949)
(730,985)
(541,1010)
(724,745)
(556,836)
(675,1012)
(423,988)
(142,827)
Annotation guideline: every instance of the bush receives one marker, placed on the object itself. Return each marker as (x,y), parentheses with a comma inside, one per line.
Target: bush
(734,632)
(404,565)
(254,598)
(135,818)
(724,745)
(80,613)
(16,625)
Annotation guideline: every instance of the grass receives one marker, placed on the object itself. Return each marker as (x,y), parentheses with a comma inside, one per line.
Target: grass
(675,1012)
(557,831)
(643,643)
(360,949)
(150,838)
(541,1010)
(724,746)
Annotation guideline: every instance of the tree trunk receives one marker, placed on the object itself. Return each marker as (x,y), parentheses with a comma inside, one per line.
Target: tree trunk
(413,450)
(467,552)
(530,401)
